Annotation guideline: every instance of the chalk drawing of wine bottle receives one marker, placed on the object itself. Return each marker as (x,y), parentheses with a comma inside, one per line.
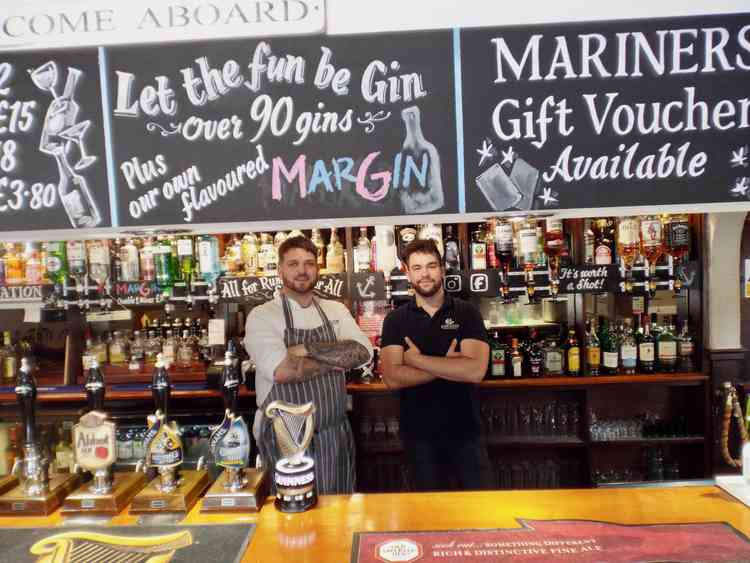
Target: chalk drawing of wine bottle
(416,198)
(61,130)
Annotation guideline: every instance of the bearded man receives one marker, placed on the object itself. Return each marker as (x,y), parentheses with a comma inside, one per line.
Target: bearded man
(435,351)
(302,345)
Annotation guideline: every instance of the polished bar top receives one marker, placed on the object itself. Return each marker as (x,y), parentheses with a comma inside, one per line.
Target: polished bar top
(325,533)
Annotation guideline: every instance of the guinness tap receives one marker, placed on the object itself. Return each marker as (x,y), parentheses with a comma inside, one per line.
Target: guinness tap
(34,468)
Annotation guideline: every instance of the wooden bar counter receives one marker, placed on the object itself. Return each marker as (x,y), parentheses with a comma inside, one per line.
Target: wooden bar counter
(325,533)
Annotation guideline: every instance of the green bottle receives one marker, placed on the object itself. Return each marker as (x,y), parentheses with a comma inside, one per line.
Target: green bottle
(186,257)
(176,269)
(163,263)
(609,345)
(56,262)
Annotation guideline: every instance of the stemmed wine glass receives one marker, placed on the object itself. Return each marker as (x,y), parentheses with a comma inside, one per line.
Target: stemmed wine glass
(45,77)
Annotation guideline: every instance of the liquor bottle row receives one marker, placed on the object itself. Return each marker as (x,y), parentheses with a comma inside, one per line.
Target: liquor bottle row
(135,348)
(623,347)
(518,243)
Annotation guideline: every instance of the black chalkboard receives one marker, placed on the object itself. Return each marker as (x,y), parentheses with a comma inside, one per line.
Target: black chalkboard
(52,142)
(535,100)
(267,99)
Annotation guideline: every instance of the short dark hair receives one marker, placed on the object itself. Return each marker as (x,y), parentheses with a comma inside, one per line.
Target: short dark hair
(422,246)
(297,242)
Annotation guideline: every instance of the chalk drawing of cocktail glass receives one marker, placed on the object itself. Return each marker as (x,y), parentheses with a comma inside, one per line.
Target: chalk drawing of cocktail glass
(75,134)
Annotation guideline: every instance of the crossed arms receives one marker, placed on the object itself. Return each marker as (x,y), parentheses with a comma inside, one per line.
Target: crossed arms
(409,367)
(305,361)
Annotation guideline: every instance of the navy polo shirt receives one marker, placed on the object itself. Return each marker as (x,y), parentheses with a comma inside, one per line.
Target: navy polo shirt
(440,407)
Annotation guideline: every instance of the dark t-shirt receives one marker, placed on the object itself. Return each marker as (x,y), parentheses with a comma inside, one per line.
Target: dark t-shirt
(440,407)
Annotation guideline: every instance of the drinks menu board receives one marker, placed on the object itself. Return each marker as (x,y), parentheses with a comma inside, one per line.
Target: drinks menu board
(607,114)
(52,161)
(310,127)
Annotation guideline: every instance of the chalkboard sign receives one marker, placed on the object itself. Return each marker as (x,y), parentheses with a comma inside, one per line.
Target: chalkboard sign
(302,128)
(607,114)
(259,289)
(589,279)
(52,158)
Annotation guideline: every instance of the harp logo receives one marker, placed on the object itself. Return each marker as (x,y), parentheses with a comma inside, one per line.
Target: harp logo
(78,547)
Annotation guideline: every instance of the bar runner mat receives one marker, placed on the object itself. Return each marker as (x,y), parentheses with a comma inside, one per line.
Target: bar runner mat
(543,541)
(134,544)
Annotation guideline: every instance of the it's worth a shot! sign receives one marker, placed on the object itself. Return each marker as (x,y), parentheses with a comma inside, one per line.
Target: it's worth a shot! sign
(639,112)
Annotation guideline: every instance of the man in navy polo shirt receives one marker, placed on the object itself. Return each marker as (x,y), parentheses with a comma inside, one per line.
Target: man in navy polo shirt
(434,350)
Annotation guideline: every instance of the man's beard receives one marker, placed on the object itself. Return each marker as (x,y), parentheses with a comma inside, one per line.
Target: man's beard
(297,285)
(427,292)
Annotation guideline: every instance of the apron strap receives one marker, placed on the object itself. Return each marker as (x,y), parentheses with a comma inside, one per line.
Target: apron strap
(288,318)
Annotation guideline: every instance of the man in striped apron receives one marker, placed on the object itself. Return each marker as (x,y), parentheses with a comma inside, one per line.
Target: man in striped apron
(301,346)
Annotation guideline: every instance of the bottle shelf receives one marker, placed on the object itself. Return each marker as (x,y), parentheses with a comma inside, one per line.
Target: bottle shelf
(535,441)
(528,324)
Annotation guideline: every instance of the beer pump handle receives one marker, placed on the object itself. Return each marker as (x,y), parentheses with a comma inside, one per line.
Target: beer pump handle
(95,387)
(231,379)
(26,396)
(160,386)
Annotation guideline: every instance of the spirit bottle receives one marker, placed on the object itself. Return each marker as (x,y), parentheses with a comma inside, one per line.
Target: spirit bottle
(232,260)
(15,270)
(163,263)
(75,196)
(479,250)
(415,198)
(174,261)
(593,350)
(628,237)
(685,349)
(317,240)
(118,349)
(497,351)
(33,266)
(99,262)
(335,254)
(652,245)
(535,356)
(573,354)
(646,349)
(604,243)
(610,355)
(185,350)
(504,252)
(678,242)
(249,252)
(148,267)
(169,348)
(554,242)
(56,262)
(516,359)
(8,358)
(553,359)
(452,256)
(278,238)
(489,233)
(529,251)
(667,349)
(628,350)
(138,347)
(186,258)
(431,231)
(130,267)
(208,257)
(362,252)
(266,256)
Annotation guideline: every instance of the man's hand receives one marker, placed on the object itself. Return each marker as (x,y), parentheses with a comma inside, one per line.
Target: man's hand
(299,351)
(451,353)
(412,353)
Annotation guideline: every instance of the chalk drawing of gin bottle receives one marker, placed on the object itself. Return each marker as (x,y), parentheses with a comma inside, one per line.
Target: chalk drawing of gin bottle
(75,196)
(416,198)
